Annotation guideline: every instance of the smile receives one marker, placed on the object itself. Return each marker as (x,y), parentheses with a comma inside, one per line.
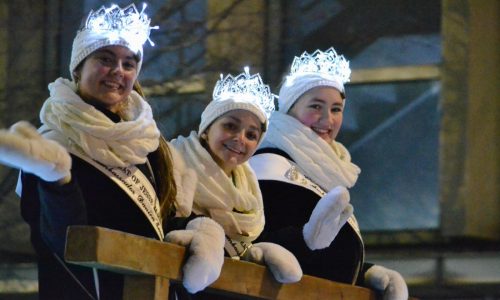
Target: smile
(321,130)
(237,151)
(112,84)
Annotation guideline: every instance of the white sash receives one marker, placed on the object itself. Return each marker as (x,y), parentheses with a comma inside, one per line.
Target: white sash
(138,188)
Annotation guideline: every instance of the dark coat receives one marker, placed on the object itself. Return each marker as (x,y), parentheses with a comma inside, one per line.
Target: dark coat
(287,208)
(91,198)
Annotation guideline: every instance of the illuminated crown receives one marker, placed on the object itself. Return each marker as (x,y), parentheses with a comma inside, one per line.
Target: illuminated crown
(127,23)
(328,63)
(245,86)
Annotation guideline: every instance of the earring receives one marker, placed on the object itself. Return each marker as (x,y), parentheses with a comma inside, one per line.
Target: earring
(204,136)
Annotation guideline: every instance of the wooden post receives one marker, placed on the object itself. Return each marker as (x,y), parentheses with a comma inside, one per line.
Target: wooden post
(145,287)
(470,151)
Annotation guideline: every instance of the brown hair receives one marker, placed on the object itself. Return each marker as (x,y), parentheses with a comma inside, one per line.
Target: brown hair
(163,172)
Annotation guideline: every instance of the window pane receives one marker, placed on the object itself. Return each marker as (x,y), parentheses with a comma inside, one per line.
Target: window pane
(392,131)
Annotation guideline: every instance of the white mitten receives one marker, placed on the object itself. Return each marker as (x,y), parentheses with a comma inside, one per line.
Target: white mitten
(24,148)
(328,217)
(389,281)
(205,239)
(281,262)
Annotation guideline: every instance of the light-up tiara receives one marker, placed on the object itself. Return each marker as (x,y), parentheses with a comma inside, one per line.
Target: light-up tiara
(127,23)
(245,86)
(328,63)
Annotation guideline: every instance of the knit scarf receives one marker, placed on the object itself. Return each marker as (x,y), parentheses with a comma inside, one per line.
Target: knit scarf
(328,165)
(93,133)
(237,206)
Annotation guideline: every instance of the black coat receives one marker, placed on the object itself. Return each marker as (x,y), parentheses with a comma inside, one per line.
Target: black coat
(91,198)
(287,208)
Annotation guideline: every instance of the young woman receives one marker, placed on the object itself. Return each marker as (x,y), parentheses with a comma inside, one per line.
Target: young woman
(113,169)
(304,175)
(232,126)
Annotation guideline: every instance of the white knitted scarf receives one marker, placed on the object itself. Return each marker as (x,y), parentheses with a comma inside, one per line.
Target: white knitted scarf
(328,165)
(237,206)
(89,130)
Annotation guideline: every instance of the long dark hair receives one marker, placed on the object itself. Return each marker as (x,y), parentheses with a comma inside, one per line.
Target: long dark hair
(163,171)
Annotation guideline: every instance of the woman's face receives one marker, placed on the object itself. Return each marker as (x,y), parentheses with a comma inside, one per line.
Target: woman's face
(107,76)
(233,138)
(320,109)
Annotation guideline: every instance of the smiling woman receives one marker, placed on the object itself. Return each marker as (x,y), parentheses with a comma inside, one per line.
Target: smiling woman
(232,138)
(99,159)
(304,174)
(321,110)
(232,126)
(107,77)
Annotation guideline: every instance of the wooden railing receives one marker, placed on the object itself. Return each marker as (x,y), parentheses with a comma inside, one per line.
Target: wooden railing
(150,265)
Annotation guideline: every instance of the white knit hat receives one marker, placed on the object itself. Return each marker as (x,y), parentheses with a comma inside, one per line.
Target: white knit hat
(244,91)
(312,70)
(111,26)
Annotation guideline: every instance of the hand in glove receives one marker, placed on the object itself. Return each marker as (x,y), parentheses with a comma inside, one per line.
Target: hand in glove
(328,217)
(205,239)
(390,282)
(281,262)
(24,148)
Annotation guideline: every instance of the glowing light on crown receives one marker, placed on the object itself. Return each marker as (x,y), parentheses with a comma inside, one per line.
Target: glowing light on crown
(127,23)
(245,86)
(328,63)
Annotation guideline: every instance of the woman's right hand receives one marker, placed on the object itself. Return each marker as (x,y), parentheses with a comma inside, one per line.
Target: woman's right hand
(328,217)
(24,148)
(204,238)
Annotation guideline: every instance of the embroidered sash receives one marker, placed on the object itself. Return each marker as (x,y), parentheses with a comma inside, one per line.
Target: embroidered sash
(138,188)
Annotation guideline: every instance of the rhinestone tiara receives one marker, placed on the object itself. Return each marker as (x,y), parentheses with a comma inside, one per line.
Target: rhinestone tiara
(127,23)
(245,86)
(328,63)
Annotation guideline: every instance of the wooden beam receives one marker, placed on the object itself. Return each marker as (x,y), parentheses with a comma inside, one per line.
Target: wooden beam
(135,255)
(192,85)
(393,74)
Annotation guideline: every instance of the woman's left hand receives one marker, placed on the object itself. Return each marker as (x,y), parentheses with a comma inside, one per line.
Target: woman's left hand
(281,262)
(390,282)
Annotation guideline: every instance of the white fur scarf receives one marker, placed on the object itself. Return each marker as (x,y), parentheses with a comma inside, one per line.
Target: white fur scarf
(113,144)
(238,207)
(328,165)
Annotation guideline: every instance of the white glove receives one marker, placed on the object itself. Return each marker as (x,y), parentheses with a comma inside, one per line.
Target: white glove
(205,239)
(389,281)
(24,148)
(281,262)
(328,217)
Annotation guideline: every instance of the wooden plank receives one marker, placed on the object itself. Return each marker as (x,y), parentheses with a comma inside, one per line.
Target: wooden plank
(131,254)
